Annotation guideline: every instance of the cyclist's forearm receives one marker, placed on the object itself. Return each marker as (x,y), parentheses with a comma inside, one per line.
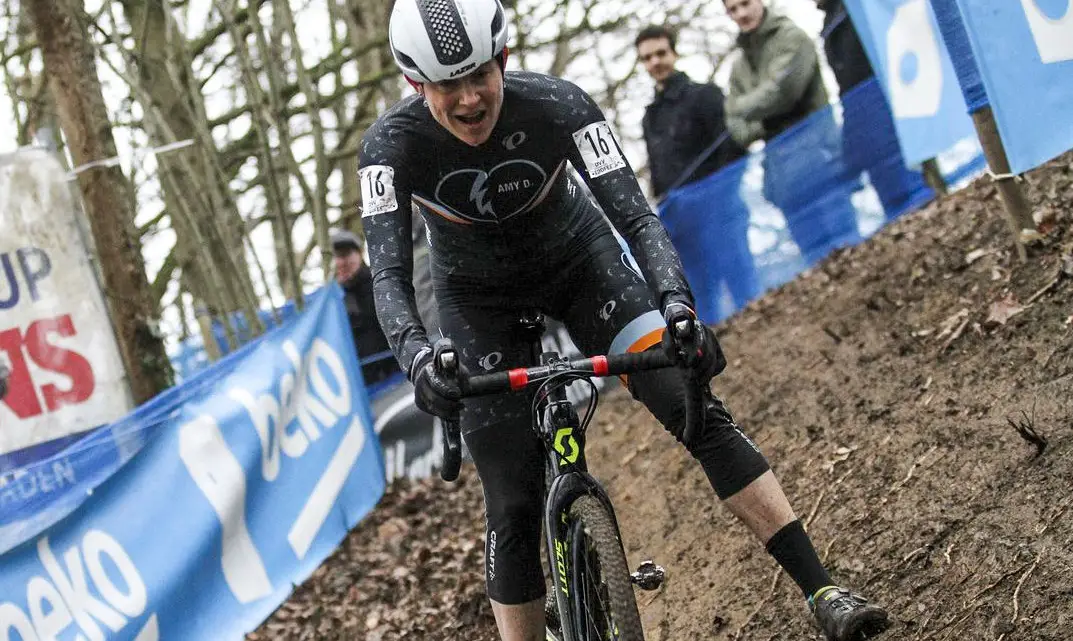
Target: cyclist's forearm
(646,237)
(391,256)
(659,262)
(396,309)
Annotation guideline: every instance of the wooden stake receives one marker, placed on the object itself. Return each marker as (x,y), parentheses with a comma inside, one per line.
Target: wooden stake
(1018,210)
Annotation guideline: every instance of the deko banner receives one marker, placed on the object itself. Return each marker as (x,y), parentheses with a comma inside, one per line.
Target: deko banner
(252,475)
(55,334)
(1024,49)
(903,42)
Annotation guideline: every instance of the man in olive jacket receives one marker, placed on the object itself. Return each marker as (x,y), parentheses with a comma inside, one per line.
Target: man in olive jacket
(775,84)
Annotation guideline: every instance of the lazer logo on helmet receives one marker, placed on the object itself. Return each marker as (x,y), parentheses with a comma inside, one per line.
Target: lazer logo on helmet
(464,69)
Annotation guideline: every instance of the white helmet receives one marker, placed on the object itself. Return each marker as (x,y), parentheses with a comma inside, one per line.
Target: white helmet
(436,40)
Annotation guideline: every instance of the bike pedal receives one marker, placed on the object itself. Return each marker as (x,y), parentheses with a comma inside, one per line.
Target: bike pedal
(648,576)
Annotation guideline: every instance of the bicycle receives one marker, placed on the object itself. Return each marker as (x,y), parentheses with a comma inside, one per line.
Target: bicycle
(592,586)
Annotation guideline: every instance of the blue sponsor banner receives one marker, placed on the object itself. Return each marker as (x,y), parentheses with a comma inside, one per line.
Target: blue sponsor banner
(911,61)
(1024,49)
(246,484)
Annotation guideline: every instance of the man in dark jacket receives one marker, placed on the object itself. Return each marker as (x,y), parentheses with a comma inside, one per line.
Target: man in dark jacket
(685,134)
(356,279)
(869,139)
(684,118)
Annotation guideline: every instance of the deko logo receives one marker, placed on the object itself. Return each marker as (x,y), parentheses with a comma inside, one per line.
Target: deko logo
(1051,22)
(914,63)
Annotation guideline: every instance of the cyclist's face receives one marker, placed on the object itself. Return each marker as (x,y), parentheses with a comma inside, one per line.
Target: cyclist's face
(469,106)
(657,57)
(748,14)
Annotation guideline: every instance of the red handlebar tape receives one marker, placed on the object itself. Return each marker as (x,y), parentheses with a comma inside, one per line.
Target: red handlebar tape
(599,365)
(519,378)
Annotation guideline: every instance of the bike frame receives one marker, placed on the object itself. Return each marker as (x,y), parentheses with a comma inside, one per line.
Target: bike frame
(562,437)
(567,478)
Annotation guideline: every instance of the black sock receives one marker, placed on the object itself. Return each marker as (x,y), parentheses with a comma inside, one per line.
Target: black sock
(793,550)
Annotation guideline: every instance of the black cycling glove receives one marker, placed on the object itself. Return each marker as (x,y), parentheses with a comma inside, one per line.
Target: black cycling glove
(703,354)
(433,392)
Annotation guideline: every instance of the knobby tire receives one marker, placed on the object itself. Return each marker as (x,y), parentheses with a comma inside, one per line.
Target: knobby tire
(609,580)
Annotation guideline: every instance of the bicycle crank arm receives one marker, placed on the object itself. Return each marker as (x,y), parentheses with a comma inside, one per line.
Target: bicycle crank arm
(648,576)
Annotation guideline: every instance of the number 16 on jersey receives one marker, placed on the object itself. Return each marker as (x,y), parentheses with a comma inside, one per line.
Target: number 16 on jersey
(377,190)
(599,149)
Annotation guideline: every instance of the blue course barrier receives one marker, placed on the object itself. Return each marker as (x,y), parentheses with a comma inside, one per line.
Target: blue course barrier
(759,222)
(245,478)
(1028,79)
(903,43)
(190,357)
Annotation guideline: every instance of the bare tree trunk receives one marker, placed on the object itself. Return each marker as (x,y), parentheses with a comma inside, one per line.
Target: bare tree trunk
(276,195)
(69,63)
(282,12)
(159,51)
(33,108)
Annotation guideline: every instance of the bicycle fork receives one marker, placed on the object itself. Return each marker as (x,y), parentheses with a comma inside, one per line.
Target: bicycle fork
(568,471)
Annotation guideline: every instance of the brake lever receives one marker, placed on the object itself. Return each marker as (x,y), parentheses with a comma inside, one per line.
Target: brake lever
(445,363)
(687,338)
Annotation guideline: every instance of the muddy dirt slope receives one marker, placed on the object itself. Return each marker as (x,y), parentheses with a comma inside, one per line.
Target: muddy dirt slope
(899,391)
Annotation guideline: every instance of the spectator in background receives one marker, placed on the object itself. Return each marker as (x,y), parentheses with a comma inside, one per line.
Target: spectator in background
(356,279)
(685,134)
(869,140)
(776,84)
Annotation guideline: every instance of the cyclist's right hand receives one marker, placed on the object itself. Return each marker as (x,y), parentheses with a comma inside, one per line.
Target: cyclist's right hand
(434,393)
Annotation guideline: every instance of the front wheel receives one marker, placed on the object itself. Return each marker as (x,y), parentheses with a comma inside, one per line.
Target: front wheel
(602,579)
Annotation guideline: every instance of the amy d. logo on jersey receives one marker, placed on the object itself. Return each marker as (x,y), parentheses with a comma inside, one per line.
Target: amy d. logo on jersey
(510,188)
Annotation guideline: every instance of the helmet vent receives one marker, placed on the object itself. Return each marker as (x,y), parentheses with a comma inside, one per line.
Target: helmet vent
(445,29)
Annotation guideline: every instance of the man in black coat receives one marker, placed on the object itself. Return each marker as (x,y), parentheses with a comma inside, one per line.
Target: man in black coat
(685,134)
(356,279)
(870,140)
(684,118)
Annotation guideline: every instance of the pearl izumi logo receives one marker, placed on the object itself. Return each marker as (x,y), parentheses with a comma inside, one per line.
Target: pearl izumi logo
(490,361)
(514,140)
(494,196)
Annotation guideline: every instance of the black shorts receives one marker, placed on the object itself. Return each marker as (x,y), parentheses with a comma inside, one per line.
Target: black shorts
(608,309)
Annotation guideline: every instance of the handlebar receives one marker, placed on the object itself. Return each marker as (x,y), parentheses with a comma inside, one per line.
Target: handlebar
(445,360)
(520,378)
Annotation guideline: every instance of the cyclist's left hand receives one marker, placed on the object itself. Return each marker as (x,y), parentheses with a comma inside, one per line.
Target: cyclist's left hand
(704,355)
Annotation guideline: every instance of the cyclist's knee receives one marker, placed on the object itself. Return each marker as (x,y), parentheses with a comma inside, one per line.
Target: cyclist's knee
(520,511)
(663,393)
(730,459)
